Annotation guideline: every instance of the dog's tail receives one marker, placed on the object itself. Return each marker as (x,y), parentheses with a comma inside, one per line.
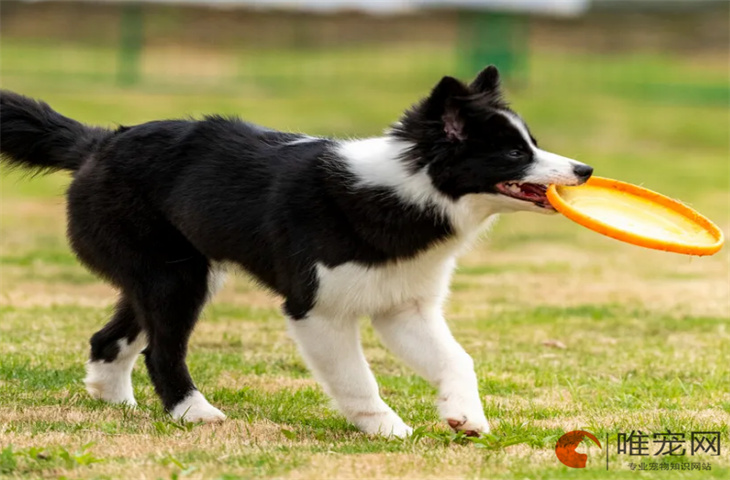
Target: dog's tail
(33,135)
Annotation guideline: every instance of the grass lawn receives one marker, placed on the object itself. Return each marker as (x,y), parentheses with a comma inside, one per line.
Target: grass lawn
(569,330)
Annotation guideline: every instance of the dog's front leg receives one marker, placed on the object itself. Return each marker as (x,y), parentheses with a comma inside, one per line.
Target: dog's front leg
(331,347)
(419,334)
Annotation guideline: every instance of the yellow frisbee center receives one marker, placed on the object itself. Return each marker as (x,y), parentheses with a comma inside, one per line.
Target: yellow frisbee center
(635,215)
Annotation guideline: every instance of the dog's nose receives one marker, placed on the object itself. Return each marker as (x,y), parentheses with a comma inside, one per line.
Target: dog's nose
(582,171)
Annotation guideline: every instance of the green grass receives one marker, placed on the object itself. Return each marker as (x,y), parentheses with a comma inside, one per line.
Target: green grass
(645,333)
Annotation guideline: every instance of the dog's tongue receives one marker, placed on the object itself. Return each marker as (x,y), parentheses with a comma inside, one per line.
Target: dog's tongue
(533,189)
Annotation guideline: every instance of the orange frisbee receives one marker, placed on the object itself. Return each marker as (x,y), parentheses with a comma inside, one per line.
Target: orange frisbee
(636,215)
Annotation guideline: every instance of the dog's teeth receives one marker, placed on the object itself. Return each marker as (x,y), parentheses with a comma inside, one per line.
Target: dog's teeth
(514,188)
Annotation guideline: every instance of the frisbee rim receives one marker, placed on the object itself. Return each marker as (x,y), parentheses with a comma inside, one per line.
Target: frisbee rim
(603,228)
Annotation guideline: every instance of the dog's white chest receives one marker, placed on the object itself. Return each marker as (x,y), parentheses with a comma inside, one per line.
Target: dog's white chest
(353,289)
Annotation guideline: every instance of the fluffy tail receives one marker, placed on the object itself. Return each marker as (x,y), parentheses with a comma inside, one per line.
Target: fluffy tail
(33,135)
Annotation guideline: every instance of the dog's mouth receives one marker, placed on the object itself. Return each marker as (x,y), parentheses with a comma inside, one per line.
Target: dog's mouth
(535,193)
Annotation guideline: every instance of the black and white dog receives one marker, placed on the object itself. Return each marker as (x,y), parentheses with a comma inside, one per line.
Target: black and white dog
(339,229)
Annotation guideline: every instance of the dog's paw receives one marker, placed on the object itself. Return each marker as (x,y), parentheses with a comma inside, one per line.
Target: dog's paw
(99,391)
(195,408)
(104,381)
(470,428)
(385,424)
(400,430)
(464,416)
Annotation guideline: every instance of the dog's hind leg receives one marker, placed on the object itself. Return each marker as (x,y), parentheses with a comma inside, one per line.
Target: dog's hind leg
(114,350)
(164,280)
(420,336)
(331,347)
(168,301)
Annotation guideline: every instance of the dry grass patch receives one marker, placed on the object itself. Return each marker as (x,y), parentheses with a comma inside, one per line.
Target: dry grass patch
(264,383)
(46,294)
(661,282)
(455,463)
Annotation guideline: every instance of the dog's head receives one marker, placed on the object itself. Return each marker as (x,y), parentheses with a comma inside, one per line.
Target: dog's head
(469,142)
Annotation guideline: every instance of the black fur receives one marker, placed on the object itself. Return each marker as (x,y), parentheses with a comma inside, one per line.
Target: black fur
(459,135)
(151,206)
(104,343)
(34,135)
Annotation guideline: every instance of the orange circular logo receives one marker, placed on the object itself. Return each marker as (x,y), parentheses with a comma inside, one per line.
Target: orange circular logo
(565,448)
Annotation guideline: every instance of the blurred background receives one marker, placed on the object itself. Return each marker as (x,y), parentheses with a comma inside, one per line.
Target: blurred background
(639,89)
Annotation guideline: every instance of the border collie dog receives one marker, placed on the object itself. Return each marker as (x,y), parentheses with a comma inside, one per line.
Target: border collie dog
(338,228)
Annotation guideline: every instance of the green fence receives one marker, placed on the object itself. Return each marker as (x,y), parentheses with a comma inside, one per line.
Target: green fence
(176,49)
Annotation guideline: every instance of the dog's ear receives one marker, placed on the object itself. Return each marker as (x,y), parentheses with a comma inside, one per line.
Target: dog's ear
(487,81)
(445,105)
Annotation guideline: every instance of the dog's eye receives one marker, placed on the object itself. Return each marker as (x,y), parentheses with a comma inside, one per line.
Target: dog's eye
(515,154)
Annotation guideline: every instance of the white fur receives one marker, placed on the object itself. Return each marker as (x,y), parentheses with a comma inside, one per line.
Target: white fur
(195,408)
(517,122)
(418,334)
(551,168)
(547,167)
(216,278)
(112,381)
(405,300)
(352,290)
(302,140)
(377,162)
(331,348)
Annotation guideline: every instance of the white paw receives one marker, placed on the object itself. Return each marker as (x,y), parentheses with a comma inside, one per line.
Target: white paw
(470,420)
(195,408)
(385,424)
(472,428)
(110,381)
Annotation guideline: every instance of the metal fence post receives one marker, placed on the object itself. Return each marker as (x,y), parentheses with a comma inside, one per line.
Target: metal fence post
(131,31)
(493,38)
